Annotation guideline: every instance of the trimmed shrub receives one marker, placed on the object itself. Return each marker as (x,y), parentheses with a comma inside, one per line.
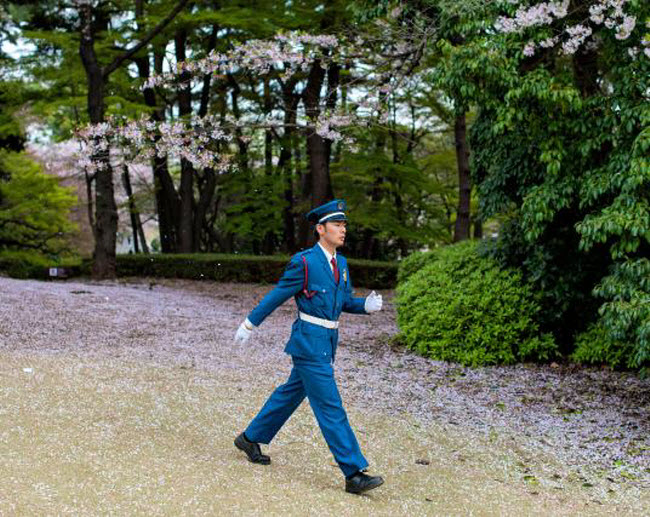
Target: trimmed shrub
(199,266)
(29,264)
(595,346)
(413,263)
(23,264)
(220,268)
(243,268)
(461,307)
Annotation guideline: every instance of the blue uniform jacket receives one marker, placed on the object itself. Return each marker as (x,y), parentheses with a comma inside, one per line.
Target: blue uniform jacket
(310,341)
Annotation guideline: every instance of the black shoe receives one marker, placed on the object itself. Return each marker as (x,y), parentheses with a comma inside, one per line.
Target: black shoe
(252,450)
(361,482)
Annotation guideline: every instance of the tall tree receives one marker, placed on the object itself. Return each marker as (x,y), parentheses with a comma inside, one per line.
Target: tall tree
(94,20)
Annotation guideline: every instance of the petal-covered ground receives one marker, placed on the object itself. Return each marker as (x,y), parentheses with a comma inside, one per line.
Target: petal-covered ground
(124,398)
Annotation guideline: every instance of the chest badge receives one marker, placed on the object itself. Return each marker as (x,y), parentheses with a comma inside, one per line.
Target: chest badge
(345,275)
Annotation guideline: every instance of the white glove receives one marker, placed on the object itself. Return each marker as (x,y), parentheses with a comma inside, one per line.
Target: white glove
(244,331)
(373,302)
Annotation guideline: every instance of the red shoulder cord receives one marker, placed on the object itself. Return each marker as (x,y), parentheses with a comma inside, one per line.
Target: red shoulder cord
(308,294)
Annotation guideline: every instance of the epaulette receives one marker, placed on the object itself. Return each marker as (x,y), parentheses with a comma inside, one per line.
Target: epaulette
(308,294)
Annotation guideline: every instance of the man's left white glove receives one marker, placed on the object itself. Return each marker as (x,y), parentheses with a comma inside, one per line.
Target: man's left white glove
(244,331)
(373,302)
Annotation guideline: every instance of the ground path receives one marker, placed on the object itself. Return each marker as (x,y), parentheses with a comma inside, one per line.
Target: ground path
(124,397)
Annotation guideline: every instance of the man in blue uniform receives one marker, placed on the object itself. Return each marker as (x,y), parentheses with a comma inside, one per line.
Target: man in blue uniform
(319,280)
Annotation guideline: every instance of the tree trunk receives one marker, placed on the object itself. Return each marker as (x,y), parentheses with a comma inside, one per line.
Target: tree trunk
(242,157)
(370,247)
(399,202)
(136,225)
(208,180)
(461,231)
(333,78)
(305,236)
(290,102)
(126,182)
(206,195)
(268,243)
(105,209)
(90,178)
(317,147)
(167,201)
(212,238)
(478,228)
(186,191)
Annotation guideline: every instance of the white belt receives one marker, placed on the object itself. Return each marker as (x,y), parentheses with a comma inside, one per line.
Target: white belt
(318,321)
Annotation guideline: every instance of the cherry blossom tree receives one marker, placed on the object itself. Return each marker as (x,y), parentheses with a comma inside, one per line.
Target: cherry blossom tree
(303,66)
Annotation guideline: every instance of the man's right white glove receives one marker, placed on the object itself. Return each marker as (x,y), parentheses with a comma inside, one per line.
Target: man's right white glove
(244,331)
(373,302)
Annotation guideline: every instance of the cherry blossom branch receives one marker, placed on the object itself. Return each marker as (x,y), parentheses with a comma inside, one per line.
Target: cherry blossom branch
(608,13)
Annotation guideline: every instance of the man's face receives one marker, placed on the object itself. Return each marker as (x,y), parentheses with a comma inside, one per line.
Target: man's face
(333,232)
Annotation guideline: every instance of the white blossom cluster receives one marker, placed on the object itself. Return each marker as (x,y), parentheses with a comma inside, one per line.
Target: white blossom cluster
(291,52)
(192,140)
(577,36)
(329,126)
(286,54)
(609,13)
(541,14)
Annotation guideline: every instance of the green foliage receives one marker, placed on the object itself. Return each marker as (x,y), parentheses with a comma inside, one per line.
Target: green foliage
(256,205)
(560,151)
(33,207)
(413,188)
(595,346)
(561,274)
(626,313)
(460,306)
(12,135)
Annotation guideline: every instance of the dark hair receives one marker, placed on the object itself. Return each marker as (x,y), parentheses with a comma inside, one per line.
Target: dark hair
(316,234)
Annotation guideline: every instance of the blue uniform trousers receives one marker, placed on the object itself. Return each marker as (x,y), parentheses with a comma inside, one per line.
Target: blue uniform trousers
(316,381)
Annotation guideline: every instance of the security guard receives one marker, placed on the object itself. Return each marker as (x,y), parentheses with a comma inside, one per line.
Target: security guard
(319,280)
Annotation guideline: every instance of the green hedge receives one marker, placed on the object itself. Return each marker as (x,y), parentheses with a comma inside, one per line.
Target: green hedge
(29,264)
(243,268)
(455,305)
(216,267)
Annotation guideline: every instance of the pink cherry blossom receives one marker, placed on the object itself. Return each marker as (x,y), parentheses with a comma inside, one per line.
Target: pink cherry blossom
(610,13)
(529,49)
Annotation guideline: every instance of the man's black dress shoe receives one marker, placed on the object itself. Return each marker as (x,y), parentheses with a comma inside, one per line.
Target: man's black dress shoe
(361,482)
(252,450)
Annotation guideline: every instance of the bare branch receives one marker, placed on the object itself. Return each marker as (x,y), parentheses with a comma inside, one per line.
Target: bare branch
(152,34)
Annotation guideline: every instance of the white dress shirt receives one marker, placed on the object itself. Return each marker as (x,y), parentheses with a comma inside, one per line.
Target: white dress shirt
(328,256)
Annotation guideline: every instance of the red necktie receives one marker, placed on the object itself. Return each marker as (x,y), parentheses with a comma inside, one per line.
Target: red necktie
(336,270)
